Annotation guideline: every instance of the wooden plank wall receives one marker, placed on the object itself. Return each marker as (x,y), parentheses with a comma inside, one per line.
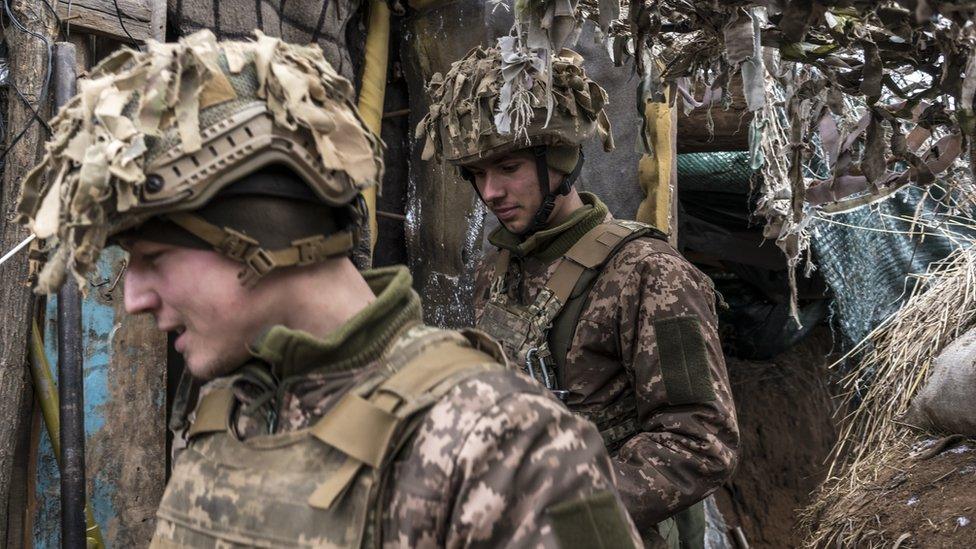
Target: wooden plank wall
(125,412)
(125,358)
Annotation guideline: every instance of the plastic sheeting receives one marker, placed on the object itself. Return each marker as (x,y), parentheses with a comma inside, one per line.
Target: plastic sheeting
(865,261)
(864,255)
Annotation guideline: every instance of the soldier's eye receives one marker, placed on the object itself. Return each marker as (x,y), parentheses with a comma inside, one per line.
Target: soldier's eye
(152,258)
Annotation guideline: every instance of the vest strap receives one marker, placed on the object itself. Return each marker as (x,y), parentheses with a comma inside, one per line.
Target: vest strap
(357,428)
(329,491)
(598,244)
(364,429)
(590,252)
(213,412)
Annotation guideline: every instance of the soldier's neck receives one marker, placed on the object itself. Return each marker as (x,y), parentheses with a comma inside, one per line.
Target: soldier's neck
(321,298)
(565,206)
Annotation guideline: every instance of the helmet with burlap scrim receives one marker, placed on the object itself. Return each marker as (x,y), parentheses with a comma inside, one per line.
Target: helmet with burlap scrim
(160,133)
(504,98)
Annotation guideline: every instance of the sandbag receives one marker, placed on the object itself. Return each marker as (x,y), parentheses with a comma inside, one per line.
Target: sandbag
(947,400)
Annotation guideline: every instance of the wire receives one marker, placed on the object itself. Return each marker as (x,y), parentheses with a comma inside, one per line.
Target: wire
(36,117)
(118,13)
(45,87)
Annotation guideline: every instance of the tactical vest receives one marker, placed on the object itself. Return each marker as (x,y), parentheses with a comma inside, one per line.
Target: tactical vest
(537,336)
(318,486)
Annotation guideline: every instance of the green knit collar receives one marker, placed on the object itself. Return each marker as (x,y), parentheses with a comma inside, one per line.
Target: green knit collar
(356,343)
(549,245)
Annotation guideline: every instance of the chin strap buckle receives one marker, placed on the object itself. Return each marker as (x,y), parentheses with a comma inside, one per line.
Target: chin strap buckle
(236,246)
(258,264)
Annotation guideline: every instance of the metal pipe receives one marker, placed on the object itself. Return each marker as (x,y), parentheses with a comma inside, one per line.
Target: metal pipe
(70,360)
(47,394)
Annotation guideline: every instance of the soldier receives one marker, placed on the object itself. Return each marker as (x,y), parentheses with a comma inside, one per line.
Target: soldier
(603,312)
(230,172)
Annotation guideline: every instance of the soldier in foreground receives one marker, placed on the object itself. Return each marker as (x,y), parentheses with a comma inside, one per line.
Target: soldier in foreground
(603,312)
(333,417)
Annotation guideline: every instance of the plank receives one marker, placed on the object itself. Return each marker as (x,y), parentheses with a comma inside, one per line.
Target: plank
(140,18)
(731,126)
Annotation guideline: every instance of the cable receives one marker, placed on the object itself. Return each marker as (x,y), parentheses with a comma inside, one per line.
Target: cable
(50,48)
(42,96)
(118,12)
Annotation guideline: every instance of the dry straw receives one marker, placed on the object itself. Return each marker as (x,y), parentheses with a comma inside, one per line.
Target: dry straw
(895,361)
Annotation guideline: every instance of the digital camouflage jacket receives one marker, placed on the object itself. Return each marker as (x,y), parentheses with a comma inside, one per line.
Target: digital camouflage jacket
(666,413)
(494,461)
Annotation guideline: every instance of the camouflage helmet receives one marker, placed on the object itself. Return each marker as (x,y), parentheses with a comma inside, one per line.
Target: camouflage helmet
(159,133)
(497,100)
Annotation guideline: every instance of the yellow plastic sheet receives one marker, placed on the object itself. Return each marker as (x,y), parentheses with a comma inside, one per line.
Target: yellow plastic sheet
(657,170)
(374,87)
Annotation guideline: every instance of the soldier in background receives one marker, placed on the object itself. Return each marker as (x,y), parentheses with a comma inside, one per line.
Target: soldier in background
(231,172)
(603,312)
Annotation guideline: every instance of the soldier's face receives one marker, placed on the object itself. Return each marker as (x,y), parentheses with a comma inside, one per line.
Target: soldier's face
(195,294)
(509,185)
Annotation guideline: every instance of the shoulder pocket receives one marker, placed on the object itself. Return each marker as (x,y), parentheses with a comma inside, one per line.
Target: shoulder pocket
(684,360)
(593,521)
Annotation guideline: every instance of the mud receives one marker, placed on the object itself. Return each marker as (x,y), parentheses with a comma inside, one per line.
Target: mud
(785,408)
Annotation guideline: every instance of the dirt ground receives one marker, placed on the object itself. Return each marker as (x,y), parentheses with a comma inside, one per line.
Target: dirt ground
(921,503)
(785,409)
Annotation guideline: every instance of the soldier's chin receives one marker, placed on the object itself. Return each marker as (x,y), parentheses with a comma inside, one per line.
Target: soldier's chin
(204,368)
(515,226)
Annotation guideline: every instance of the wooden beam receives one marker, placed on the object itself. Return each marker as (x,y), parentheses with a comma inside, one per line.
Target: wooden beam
(140,18)
(730,126)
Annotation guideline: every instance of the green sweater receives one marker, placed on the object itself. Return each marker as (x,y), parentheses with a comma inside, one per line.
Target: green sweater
(550,244)
(361,340)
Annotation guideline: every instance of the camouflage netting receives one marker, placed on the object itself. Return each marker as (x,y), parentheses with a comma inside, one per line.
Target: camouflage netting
(333,25)
(866,255)
(851,101)
(863,255)
(718,172)
(138,110)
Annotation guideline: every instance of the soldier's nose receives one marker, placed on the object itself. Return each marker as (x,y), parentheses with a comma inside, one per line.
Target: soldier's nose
(491,188)
(139,296)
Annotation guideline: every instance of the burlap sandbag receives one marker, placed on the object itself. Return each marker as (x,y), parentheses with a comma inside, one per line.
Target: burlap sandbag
(947,401)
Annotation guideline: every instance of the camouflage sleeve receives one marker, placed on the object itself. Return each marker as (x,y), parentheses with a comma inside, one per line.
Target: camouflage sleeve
(687,441)
(497,467)
(484,272)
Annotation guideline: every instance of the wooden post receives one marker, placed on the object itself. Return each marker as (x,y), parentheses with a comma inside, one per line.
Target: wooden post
(28,61)
(157,20)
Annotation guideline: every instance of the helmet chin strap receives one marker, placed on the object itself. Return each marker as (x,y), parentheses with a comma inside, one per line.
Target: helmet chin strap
(541,216)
